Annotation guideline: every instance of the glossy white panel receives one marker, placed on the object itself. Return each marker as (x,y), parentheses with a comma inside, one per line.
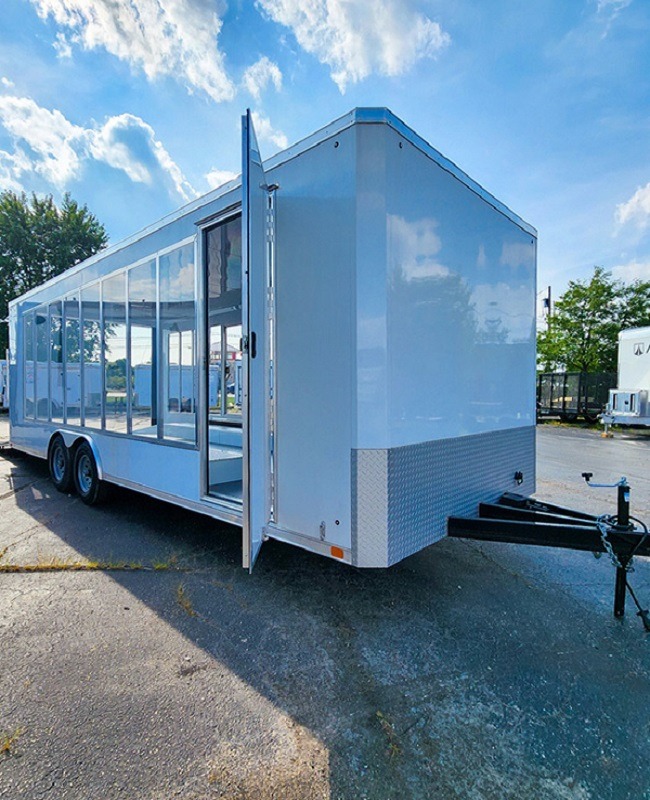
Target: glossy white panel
(452,350)
(634,359)
(164,468)
(315,251)
(371,287)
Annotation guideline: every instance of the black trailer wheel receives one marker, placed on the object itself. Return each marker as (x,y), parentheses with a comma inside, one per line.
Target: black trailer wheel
(86,478)
(568,416)
(59,461)
(592,419)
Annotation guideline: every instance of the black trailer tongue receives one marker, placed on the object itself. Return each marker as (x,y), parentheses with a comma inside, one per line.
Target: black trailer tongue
(516,519)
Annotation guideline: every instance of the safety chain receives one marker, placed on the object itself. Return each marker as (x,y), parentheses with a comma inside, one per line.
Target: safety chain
(604,523)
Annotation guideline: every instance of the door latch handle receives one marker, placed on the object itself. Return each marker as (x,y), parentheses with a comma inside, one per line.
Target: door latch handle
(249,344)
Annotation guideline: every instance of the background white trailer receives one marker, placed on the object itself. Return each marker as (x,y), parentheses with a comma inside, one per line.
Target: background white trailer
(4,384)
(628,403)
(374,293)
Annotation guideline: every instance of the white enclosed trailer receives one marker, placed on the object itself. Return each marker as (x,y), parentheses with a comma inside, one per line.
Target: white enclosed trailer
(381,308)
(628,403)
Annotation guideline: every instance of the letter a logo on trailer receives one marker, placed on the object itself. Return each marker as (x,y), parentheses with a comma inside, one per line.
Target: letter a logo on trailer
(256,348)
(638,348)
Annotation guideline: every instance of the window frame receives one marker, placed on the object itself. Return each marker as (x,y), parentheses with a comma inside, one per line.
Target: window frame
(221,418)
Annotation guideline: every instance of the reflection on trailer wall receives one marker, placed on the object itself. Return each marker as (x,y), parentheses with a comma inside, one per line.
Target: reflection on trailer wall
(84,352)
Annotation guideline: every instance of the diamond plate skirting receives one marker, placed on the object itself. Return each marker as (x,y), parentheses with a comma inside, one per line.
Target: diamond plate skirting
(401,497)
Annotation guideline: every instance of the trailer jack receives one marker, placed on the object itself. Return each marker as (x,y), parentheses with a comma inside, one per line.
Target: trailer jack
(516,519)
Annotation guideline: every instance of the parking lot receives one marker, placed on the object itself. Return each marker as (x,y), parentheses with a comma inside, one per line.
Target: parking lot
(163,670)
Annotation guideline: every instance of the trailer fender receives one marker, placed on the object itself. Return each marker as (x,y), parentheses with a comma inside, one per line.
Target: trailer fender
(72,439)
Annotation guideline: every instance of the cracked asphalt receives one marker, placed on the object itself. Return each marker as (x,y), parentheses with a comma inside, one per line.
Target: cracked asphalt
(468,671)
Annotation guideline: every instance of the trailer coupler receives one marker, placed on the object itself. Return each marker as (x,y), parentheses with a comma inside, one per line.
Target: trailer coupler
(516,519)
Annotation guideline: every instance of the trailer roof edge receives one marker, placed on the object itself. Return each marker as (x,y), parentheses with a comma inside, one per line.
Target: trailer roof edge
(630,333)
(385,115)
(382,115)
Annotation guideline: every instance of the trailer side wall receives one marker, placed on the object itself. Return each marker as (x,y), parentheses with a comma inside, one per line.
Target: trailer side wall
(446,350)
(634,359)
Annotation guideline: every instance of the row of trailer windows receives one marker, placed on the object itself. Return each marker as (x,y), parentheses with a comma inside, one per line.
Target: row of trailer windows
(120,354)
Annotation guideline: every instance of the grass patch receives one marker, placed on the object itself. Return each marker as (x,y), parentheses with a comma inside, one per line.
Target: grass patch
(394,748)
(55,564)
(170,563)
(184,601)
(7,741)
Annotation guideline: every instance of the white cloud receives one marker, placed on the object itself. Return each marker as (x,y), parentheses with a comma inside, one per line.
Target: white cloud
(608,11)
(62,46)
(258,76)
(175,38)
(55,142)
(217,177)
(636,209)
(613,7)
(516,254)
(355,38)
(505,308)
(6,83)
(634,270)
(117,143)
(48,144)
(12,167)
(266,132)
(414,248)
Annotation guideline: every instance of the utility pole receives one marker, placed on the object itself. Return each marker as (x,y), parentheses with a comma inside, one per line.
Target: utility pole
(547,306)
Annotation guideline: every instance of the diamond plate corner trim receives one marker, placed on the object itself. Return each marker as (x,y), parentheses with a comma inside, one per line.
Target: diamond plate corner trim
(431,481)
(370,508)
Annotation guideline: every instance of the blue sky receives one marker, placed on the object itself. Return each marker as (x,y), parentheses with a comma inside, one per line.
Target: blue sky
(134,105)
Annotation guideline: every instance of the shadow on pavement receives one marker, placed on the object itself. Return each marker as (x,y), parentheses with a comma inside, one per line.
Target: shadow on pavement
(446,676)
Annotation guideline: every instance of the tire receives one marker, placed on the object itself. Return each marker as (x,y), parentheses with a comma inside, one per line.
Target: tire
(592,419)
(86,478)
(59,461)
(569,417)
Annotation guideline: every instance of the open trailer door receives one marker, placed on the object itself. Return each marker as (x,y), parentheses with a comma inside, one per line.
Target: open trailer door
(256,348)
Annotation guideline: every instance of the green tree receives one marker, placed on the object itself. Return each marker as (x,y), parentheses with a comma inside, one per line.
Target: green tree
(583,329)
(38,240)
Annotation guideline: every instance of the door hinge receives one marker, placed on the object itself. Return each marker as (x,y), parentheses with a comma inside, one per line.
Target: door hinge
(270,226)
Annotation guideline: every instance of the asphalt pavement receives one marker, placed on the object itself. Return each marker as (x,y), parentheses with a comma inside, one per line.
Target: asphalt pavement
(164,670)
